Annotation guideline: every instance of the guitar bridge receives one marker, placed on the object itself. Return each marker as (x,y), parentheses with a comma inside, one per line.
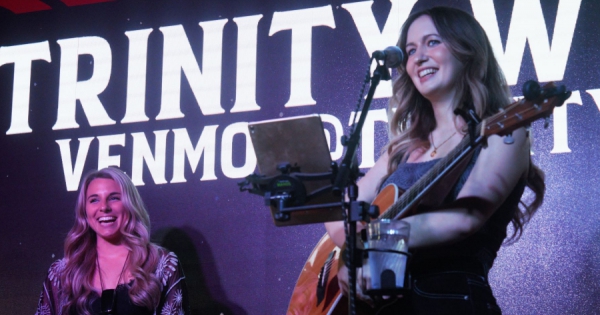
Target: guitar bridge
(324,277)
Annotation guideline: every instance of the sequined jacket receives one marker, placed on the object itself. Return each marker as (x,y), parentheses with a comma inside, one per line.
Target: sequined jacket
(173,298)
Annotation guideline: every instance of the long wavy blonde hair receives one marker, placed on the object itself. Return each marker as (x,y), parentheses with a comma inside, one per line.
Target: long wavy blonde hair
(80,249)
(482,87)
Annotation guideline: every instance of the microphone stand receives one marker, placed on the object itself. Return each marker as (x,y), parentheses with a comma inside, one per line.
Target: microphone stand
(346,179)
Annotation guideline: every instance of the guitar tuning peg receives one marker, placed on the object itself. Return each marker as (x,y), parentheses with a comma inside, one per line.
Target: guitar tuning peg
(509,139)
(531,90)
(546,122)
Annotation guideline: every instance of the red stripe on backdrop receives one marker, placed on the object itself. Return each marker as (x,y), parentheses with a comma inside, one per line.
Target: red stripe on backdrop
(24,6)
(72,3)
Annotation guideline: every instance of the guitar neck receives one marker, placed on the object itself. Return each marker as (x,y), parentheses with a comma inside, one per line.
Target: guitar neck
(538,103)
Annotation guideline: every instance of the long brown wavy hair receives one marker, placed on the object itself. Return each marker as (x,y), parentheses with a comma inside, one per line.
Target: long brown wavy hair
(482,87)
(80,249)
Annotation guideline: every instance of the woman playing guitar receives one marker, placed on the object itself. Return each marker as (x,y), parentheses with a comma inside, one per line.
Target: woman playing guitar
(450,65)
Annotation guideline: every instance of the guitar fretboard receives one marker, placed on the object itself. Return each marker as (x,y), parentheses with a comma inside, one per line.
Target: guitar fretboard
(515,115)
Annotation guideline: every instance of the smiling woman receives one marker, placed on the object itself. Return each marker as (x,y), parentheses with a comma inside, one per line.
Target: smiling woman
(104,210)
(458,229)
(110,266)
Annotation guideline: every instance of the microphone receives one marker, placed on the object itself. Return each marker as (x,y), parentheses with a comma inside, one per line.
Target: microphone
(392,56)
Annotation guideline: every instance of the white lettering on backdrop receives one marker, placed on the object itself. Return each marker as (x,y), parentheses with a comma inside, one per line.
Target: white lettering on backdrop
(527,26)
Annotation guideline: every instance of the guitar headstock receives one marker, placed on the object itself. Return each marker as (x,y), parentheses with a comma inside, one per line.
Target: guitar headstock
(537,103)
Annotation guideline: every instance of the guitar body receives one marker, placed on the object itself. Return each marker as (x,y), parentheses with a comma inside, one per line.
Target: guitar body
(317,290)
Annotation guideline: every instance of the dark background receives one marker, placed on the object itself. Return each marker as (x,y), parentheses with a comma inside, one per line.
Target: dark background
(236,261)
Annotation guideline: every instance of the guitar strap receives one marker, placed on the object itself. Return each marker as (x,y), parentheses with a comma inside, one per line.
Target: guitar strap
(439,192)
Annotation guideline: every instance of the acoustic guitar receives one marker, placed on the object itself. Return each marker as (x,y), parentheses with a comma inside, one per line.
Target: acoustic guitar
(317,291)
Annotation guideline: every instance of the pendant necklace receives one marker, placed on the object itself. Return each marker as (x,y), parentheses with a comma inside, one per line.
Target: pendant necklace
(433,145)
(108,297)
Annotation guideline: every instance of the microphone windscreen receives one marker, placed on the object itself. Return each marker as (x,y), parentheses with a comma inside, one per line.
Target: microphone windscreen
(393,56)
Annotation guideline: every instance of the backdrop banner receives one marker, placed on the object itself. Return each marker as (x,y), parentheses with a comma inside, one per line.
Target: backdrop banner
(165,91)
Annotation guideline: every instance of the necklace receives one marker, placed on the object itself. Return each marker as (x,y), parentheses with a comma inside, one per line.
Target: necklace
(433,145)
(108,297)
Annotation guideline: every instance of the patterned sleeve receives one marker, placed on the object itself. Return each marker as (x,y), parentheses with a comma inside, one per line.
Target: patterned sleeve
(50,300)
(174,297)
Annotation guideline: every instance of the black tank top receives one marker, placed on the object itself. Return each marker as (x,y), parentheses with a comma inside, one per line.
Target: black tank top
(483,245)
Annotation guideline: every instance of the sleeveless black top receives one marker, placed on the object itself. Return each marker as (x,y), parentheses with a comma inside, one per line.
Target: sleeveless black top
(482,246)
(123,303)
